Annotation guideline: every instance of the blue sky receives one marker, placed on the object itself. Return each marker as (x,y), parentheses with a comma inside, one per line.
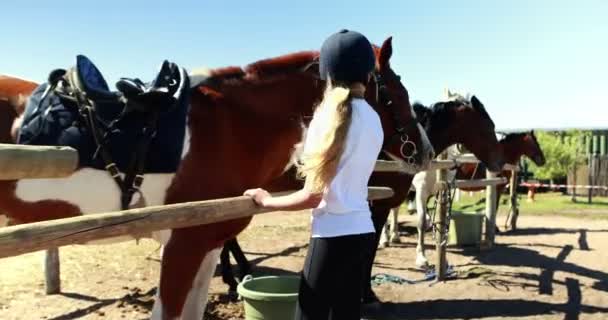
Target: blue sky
(534,64)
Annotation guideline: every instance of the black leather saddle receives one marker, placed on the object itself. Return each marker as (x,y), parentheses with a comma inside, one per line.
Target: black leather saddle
(137,129)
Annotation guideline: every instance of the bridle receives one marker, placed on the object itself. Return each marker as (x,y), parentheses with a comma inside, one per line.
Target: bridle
(383,99)
(400,136)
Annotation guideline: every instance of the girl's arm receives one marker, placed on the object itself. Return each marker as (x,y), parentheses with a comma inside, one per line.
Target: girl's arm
(299,200)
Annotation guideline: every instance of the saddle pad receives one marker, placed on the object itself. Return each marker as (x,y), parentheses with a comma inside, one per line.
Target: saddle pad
(55,121)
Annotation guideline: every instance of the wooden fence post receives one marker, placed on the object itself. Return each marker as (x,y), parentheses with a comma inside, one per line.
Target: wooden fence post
(490,211)
(52,271)
(514,210)
(441,217)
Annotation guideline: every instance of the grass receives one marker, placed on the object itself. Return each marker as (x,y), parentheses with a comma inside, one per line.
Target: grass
(552,203)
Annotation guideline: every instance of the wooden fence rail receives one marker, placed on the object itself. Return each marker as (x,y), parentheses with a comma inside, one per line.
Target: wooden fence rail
(25,161)
(30,237)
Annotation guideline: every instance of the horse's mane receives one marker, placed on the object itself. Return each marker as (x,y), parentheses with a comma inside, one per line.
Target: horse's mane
(437,114)
(289,63)
(455,96)
(293,62)
(514,136)
(279,65)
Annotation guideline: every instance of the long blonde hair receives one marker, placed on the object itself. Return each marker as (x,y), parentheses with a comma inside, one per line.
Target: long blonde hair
(319,162)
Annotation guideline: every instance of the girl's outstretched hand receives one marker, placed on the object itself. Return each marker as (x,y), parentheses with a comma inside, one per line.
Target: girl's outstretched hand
(258,195)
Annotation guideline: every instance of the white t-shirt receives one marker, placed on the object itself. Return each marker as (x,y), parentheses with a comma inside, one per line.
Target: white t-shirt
(344,208)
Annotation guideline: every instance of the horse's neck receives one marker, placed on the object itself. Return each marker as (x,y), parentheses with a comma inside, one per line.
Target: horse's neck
(512,151)
(442,139)
(245,144)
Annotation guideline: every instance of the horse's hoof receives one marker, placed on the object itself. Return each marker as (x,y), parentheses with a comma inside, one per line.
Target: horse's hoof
(395,240)
(422,264)
(233,295)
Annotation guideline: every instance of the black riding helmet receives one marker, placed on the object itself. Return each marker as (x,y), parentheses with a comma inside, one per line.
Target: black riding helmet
(346,57)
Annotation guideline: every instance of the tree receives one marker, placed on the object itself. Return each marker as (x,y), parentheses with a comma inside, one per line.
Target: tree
(564,152)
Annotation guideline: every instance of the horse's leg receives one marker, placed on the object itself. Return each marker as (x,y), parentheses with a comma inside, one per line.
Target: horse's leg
(240,258)
(182,261)
(411,206)
(421,196)
(379,216)
(227,272)
(394,229)
(384,234)
(196,301)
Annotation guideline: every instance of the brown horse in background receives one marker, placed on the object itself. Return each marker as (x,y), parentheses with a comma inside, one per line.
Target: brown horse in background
(457,120)
(243,125)
(514,146)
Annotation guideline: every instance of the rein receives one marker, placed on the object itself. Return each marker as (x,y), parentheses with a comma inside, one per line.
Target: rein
(400,136)
(383,99)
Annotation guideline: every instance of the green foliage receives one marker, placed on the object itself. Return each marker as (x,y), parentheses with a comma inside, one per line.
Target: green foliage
(564,151)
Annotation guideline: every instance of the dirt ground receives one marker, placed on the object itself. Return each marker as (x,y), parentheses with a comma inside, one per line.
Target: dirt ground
(553,268)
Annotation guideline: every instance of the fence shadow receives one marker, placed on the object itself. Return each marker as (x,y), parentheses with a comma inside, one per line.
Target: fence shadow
(137,298)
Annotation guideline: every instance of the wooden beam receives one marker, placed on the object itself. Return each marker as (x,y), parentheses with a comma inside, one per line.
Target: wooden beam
(514,207)
(491,197)
(479,182)
(24,238)
(52,271)
(395,166)
(448,164)
(511,167)
(441,236)
(26,161)
(442,164)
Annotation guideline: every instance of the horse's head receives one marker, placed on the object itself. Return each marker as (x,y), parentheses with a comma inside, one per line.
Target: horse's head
(517,144)
(463,121)
(482,142)
(533,149)
(404,138)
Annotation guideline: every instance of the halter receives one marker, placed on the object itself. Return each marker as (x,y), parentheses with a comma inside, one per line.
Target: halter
(400,136)
(383,99)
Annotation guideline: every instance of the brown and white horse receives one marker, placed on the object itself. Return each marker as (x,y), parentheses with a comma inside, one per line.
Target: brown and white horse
(514,146)
(243,125)
(457,120)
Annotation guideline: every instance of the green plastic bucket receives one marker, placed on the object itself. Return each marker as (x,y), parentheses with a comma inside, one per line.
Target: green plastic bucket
(269,298)
(465,228)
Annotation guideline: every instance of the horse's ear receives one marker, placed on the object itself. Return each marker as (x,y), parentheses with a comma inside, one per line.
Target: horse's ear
(386,51)
(476,103)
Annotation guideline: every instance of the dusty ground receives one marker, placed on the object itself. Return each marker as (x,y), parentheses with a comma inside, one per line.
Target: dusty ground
(554,268)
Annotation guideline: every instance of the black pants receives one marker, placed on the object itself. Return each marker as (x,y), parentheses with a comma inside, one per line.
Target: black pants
(330,287)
